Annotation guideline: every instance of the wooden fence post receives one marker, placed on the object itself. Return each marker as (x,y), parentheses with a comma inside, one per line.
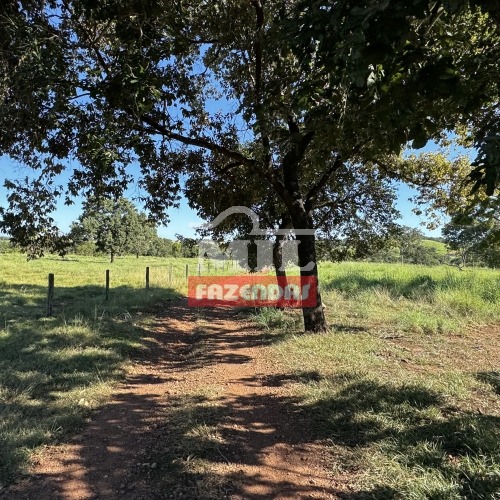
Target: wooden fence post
(147,278)
(199,268)
(50,294)
(107,284)
(187,270)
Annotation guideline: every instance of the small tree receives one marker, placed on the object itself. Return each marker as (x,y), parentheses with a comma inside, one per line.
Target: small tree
(409,242)
(116,227)
(141,233)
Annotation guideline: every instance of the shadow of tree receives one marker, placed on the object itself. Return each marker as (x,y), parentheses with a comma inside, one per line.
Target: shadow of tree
(196,437)
(194,444)
(186,430)
(415,428)
(492,378)
(352,282)
(54,370)
(205,344)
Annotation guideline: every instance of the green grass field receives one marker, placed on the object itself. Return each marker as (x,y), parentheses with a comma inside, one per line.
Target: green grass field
(411,298)
(405,388)
(54,371)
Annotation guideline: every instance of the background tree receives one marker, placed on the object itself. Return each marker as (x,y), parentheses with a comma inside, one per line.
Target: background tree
(6,245)
(410,243)
(388,252)
(142,234)
(474,234)
(186,247)
(115,227)
(161,247)
(312,86)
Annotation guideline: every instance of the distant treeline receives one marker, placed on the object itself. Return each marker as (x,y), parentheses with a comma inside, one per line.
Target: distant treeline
(410,247)
(156,247)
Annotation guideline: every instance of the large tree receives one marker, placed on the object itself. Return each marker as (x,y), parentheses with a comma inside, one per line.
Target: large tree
(474,233)
(354,211)
(311,87)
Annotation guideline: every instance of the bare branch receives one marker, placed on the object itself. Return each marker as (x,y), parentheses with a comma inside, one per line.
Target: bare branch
(257,78)
(200,142)
(314,191)
(229,166)
(204,41)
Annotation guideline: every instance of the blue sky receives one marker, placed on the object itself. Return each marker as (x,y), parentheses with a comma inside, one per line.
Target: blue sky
(408,218)
(183,220)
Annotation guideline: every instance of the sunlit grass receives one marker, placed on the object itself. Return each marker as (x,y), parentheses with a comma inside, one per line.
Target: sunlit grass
(407,402)
(55,370)
(402,388)
(411,298)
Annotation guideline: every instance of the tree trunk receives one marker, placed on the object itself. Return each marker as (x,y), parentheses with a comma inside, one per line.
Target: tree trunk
(300,212)
(314,317)
(278,260)
(112,256)
(278,255)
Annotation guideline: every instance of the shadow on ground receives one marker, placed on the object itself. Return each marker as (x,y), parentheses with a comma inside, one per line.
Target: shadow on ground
(492,378)
(53,370)
(202,346)
(193,444)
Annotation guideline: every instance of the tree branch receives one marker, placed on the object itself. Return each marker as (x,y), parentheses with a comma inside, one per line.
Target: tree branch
(199,142)
(314,191)
(294,156)
(229,166)
(257,47)
(408,179)
(203,41)
(97,52)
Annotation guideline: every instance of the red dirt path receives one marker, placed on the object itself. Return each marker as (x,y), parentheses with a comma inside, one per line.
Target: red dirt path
(200,415)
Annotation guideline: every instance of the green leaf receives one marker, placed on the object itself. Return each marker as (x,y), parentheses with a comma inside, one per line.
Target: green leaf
(419,142)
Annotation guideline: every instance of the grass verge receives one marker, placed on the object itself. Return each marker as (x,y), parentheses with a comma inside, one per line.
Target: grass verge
(404,389)
(54,371)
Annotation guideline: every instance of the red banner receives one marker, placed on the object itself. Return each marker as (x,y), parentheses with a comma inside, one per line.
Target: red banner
(252,291)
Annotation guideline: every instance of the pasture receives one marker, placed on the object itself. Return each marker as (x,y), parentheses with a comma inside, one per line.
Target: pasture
(404,388)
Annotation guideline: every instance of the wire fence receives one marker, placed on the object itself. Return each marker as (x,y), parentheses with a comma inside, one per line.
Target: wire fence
(173,277)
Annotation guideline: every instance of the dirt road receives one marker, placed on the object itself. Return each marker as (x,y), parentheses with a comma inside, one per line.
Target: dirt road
(202,414)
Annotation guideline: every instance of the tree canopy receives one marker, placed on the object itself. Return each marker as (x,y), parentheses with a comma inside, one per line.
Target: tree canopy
(354,211)
(287,92)
(474,233)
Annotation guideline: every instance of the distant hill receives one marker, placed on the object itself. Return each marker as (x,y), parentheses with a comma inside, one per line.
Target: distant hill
(434,243)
